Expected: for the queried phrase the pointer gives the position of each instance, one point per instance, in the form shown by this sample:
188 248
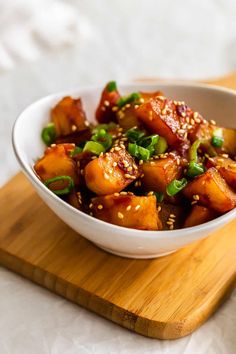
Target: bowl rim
136 233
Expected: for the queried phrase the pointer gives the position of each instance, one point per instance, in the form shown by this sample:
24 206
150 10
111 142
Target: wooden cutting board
163 298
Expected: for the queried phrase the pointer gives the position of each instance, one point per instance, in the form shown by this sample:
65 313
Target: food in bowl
151 162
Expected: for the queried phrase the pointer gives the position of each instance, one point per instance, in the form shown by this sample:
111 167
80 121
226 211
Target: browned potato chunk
128 211
111 172
127 117
157 174
171 216
104 112
198 215
226 167
57 162
229 144
68 116
212 191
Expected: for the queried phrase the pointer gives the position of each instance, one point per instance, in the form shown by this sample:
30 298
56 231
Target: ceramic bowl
212 102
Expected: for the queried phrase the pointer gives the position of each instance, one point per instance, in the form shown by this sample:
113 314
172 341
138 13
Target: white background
51 45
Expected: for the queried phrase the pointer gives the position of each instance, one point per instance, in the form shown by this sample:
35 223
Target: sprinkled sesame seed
169 222
198 120
53 145
219 160
183 114
150 193
172 220
82 172
194 202
91 214
172 216
192 121
171 227
117 148
114 164
138 207
181 131
187 119
123 193
196 197
116 194
141 100
128 207
100 206
106 103
225 155
140 162
159 208
120 215
114 109
106 176
195 115
232 165
213 122
90 205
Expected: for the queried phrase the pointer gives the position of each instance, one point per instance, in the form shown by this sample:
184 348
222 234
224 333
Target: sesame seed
159 208
198 120
106 103
172 220
114 164
181 131
136 106
73 128
129 169
82 172
91 214
106 176
178 161
195 115
187 119
90 205
219 160
140 162
116 194
171 227
183 114
123 193
141 100
225 155
126 164
152 163
100 206
169 222
150 193
172 216
114 109
117 148
213 122
138 207
120 215
196 197
128 207
192 121
194 202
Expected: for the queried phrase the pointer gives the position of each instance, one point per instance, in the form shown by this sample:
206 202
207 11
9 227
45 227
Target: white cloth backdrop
51 45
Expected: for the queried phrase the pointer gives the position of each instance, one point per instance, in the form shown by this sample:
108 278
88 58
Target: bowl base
135 256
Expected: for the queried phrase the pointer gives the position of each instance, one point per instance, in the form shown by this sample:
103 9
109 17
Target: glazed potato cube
226 167
127 117
203 130
159 116
198 215
229 144
75 138
57 162
212 191
111 172
68 116
170 214
128 211
109 98
157 174
147 95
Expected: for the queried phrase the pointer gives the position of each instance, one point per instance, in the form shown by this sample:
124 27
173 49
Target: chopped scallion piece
134 134
63 191
195 169
159 196
49 134
161 146
217 141
138 151
111 86
133 97
149 142
176 186
103 138
76 151
94 147
106 127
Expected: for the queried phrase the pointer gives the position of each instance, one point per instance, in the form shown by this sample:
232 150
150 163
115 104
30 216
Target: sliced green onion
76 151
149 142
138 151
159 196
94 147
106 127
63 191
133 97
217 141
111 86
195 169
195 146
161 146
103 138
134 134
49 134
176 186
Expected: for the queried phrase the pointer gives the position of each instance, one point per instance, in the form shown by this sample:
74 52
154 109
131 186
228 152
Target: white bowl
213 102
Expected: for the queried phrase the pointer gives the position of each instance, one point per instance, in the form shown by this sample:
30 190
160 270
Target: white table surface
97 41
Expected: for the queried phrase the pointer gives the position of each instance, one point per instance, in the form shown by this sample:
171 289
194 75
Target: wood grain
164 298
